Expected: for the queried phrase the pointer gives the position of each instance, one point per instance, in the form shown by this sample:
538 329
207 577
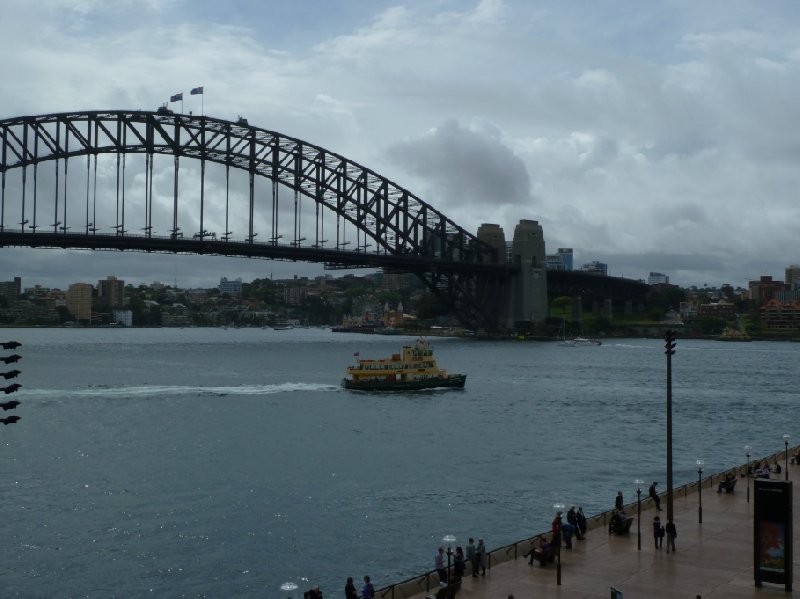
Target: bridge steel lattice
404 233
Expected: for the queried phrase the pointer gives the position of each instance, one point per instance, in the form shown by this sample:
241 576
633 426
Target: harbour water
222 463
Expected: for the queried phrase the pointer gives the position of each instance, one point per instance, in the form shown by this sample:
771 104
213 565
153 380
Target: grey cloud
465 167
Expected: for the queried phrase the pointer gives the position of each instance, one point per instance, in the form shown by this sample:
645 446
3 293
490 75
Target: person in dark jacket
672 532
652 493
658 532
619 502
350 591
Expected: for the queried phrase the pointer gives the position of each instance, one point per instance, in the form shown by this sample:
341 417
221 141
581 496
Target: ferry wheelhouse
413 369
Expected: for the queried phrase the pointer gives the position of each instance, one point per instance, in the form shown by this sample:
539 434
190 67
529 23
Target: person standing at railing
367 591
481 556
438 562
472 556
350 589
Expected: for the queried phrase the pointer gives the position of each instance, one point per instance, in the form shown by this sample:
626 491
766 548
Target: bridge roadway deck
713 559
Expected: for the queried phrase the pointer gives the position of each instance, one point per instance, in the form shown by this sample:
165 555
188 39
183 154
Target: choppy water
221 463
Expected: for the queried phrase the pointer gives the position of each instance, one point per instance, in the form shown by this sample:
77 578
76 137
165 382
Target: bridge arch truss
394 229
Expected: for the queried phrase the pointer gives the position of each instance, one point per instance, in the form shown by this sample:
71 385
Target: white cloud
669 132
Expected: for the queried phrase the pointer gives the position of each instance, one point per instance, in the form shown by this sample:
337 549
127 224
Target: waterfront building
596 268
230 287
110 292
775 315
123 317
655 278
79 301
765 289
721 309
11 289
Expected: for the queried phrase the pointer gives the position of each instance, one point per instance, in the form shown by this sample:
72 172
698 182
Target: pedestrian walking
472 556
658 532
672 532
652 493
619 502
481 555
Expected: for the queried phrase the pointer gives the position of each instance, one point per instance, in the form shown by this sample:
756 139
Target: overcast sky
653 136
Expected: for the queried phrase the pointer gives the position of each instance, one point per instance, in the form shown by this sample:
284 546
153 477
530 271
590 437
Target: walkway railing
423 583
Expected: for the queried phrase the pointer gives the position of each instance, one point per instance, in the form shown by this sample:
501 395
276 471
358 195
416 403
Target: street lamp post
639 484
449 539
700 491
669 338
786 455
289 587
558 507
747 450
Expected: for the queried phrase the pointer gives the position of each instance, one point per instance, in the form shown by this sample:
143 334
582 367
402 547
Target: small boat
581 341
411 370
575 341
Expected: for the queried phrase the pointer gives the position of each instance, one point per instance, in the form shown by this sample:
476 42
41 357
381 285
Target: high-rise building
792 278
111 292
11 289
566 257
79 301
657 278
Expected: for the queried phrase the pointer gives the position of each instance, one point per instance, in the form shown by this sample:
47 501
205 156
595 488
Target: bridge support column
608 309
528 292
577 308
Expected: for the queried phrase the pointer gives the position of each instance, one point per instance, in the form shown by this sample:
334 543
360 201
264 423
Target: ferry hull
453 382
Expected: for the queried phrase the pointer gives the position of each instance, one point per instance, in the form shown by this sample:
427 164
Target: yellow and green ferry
413 369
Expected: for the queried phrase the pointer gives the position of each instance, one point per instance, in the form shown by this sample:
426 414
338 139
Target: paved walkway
713 559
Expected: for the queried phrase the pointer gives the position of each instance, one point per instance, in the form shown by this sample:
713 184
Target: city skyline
648 137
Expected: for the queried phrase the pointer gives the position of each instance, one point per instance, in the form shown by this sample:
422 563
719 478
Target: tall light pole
786 455
559 508
747 450
700 491
669 338
449 539
639 482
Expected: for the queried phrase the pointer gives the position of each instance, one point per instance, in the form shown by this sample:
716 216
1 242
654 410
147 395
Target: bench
727 485
545 554
446 592
621 528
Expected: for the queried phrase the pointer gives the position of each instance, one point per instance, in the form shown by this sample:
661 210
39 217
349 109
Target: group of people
659 531
350 592
476 556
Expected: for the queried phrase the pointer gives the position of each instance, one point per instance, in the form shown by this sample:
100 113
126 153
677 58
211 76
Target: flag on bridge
196 90
176 98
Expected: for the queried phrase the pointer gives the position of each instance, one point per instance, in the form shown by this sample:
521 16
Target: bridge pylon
524 294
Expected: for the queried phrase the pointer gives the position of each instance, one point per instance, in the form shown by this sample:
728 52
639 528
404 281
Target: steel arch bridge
385 225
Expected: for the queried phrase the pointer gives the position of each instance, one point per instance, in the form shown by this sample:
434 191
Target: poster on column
772 532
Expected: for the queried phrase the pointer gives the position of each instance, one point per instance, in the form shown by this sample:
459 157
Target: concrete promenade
713 559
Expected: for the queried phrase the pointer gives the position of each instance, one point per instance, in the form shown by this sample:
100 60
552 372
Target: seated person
617 520
725 482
